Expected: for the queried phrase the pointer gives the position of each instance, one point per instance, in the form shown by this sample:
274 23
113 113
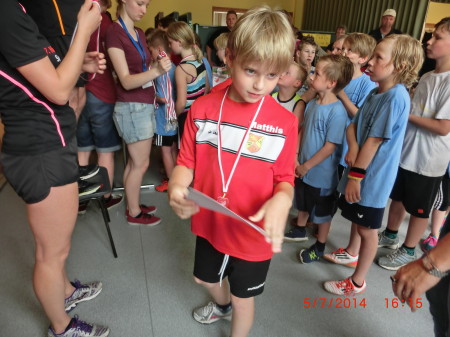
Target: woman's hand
94 62
89 17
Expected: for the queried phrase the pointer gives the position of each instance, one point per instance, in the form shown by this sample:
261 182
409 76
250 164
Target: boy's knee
240 303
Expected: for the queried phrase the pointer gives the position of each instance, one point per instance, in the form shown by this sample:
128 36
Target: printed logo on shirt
51 53
267 128
261 145
254 142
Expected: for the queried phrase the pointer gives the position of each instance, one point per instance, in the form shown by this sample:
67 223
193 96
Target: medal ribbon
226 184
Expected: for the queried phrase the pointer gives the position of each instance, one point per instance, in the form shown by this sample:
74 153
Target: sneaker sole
350 264
285 239
143 224
92 174
73 305
390 268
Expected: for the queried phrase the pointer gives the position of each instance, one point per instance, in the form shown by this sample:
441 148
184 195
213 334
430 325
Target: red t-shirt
267 159
116 37
102 86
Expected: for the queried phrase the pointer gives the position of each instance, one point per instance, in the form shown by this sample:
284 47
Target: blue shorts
135 121
96 128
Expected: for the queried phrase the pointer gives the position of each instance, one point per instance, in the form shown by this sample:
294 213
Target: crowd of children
270 123
345 115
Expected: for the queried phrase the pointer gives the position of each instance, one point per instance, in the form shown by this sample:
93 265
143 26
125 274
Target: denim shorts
96 130
134 121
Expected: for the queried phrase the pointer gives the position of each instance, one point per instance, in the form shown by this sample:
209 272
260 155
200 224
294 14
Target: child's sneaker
387 242
163 187
341 256
143 219
398 258
296 234
210 313
344 287
144 209
113 200
429 243
310 255
79 328
82 292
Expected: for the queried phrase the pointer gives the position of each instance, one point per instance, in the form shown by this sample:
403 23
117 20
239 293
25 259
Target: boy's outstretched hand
275 212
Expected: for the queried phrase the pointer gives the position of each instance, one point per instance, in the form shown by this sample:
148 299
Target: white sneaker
344 287
210 313
341 256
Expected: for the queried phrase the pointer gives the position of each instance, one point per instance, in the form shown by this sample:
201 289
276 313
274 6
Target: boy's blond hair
221 41
406 57
361 44
337 68
180 31
158 38
302 73
262 35
444 23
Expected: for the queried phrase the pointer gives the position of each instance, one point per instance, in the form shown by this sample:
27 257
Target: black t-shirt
54 17
33 124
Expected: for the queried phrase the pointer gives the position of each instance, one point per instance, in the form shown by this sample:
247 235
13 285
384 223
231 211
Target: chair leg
107 220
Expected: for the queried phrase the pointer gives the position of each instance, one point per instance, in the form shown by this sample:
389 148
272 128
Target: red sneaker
143 219
144 209
163 187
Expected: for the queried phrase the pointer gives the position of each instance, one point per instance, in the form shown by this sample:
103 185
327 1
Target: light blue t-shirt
357 91
382 115
160 112
323 123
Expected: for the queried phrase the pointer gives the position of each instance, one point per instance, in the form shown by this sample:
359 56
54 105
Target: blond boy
238 148
288 85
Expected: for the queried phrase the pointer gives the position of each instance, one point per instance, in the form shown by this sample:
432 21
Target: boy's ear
363 60
331 84
298 84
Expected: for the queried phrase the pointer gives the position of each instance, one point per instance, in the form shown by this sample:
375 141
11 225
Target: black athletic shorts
246 278
369 217
416 192
320 203
442 200
32 176
165 140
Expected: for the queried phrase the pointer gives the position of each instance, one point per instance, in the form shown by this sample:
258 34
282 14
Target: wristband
356 173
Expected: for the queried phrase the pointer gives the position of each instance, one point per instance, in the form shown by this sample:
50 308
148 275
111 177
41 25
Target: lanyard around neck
137 45
226 184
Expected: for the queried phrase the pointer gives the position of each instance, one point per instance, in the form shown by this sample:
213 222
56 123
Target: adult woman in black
39 150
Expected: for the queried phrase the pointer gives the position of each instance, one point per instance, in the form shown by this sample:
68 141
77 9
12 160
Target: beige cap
391 12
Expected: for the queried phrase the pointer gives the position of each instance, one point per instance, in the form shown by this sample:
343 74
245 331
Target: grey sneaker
79 328
210 313
82 292
387 242
398 258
